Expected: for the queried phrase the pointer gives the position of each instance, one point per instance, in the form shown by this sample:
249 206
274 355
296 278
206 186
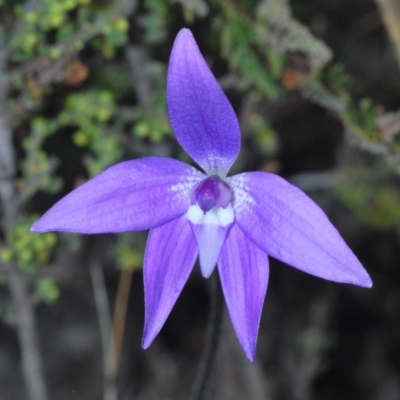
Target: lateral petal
171 252
285 223
129 196
201 116
244 271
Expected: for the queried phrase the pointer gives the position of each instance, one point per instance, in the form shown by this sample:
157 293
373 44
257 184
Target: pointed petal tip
35 227
357 275
184 33
365 282
250 353
150 332
206 272
43 225
185 38
146 340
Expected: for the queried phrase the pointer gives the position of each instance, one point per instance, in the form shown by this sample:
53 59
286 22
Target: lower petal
210 239
171 252
244 272
285 223
210 229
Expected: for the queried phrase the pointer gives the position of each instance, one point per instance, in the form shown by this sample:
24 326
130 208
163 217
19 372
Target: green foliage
375 202
151 119
193 9
266 137
115 35
36 167
127 252
28 251
336 77
238 39
57 27
91 113
362 118
277 29
319 94
155 21
260 48
47 32
46 291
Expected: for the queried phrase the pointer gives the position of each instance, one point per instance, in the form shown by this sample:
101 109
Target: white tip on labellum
216 216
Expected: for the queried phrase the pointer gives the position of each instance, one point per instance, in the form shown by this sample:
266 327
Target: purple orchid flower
232 222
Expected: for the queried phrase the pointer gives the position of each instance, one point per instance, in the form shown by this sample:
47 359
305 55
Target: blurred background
82 86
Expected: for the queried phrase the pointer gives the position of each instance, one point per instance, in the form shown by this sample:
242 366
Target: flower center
212 192
211 216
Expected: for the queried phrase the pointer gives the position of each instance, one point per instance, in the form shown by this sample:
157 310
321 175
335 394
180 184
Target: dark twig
210 352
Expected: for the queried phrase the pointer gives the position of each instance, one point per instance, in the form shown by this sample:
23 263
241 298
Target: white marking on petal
186 184
241 197
226 215
195 214
216 216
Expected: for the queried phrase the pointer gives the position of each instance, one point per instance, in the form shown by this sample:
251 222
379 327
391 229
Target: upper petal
171 252
201 116
129 196
289 226
244 271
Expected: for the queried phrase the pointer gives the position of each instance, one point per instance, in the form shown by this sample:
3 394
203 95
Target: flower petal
210 229
201 116
129 196
171 252
288 225
244 272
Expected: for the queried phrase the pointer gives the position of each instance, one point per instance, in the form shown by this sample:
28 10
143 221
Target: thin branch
137 62
120 308
104 317
25 317
26 326
390 13
7 165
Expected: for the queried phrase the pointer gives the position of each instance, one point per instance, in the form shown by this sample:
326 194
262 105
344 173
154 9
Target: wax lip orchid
233 223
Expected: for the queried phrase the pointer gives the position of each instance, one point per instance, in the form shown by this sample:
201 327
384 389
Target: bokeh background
315 85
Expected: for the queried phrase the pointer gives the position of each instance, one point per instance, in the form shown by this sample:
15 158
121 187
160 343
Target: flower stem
210 351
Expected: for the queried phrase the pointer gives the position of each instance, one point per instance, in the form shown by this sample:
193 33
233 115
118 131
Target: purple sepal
130 196
288 225
201 116
244 272
171 252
